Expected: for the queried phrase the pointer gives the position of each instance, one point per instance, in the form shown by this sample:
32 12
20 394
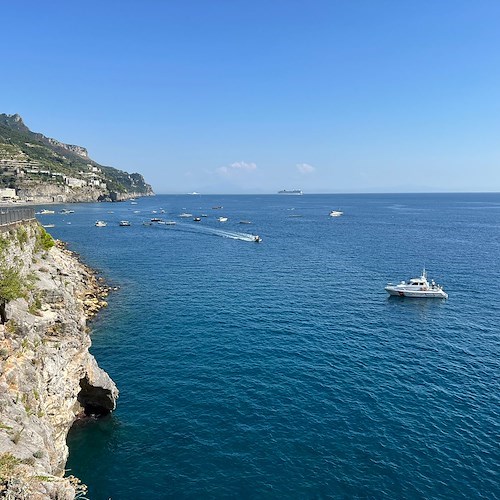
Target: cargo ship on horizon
292 191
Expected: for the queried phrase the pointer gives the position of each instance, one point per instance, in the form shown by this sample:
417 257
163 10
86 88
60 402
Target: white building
74 182
8 194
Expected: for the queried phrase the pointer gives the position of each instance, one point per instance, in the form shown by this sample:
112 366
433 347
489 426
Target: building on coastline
8 194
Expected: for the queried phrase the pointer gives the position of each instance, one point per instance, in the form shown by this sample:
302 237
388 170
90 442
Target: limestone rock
48 378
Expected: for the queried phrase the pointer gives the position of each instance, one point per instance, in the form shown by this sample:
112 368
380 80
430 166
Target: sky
233 96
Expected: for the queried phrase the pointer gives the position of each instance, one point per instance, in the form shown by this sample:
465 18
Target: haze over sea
283 369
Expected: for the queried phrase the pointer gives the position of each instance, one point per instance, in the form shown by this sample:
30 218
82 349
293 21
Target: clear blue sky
259 95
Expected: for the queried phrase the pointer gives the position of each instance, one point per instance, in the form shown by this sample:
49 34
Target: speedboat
245 222
100 223
417 288
257 238
155 219
185 215
45 211
336 213
65 211
197 219
222 219
124 223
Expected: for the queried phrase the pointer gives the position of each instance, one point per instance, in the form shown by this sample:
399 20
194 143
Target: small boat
147 223
218 207
155 219
245 222
46 212
257 238
49 225
336 213
204 215
169 223
197 219
64 211
124 223
185 215
100 223
222 219
417 288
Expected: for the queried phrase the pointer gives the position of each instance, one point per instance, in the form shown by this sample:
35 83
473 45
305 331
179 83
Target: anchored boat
417 288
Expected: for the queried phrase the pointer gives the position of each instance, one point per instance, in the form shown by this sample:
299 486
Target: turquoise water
282 369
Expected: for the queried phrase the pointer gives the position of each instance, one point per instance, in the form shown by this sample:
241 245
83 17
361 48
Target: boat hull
416 294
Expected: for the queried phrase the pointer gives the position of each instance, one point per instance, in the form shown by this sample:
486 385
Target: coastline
48 378
45 201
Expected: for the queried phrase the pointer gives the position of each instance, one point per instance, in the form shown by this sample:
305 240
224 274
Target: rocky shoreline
51 197
48 378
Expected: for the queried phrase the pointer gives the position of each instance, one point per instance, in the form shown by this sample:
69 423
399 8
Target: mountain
42 169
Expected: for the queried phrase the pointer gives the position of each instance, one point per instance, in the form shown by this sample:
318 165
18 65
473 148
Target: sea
283 369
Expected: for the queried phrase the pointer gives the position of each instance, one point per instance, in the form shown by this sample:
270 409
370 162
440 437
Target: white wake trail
192 228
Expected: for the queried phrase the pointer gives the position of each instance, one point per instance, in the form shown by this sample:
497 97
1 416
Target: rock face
48 378
42 169
69 147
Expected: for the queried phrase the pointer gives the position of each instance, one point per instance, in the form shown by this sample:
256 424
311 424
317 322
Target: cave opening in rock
96 401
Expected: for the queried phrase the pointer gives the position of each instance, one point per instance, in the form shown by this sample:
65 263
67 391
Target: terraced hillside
34 168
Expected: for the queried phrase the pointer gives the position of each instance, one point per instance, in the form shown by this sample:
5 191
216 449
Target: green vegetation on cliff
27 157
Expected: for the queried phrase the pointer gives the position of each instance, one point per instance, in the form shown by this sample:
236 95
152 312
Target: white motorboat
100 223
222 219
168 222
124 223
257 238
336 213
46 212
417 288
185 215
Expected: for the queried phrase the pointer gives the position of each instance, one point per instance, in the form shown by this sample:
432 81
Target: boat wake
234 235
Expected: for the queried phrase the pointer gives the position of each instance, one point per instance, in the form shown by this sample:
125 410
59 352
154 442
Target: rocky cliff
41 169
48 378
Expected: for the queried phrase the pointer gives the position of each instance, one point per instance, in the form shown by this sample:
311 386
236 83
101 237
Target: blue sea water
283 369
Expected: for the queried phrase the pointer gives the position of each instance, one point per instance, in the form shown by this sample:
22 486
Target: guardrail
13 215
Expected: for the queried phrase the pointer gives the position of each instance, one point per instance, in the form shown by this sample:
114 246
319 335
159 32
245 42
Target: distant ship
293 191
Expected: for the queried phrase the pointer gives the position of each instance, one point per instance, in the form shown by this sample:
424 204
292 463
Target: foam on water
198 228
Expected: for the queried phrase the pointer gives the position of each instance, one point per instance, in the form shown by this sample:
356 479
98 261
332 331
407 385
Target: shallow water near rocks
283 369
